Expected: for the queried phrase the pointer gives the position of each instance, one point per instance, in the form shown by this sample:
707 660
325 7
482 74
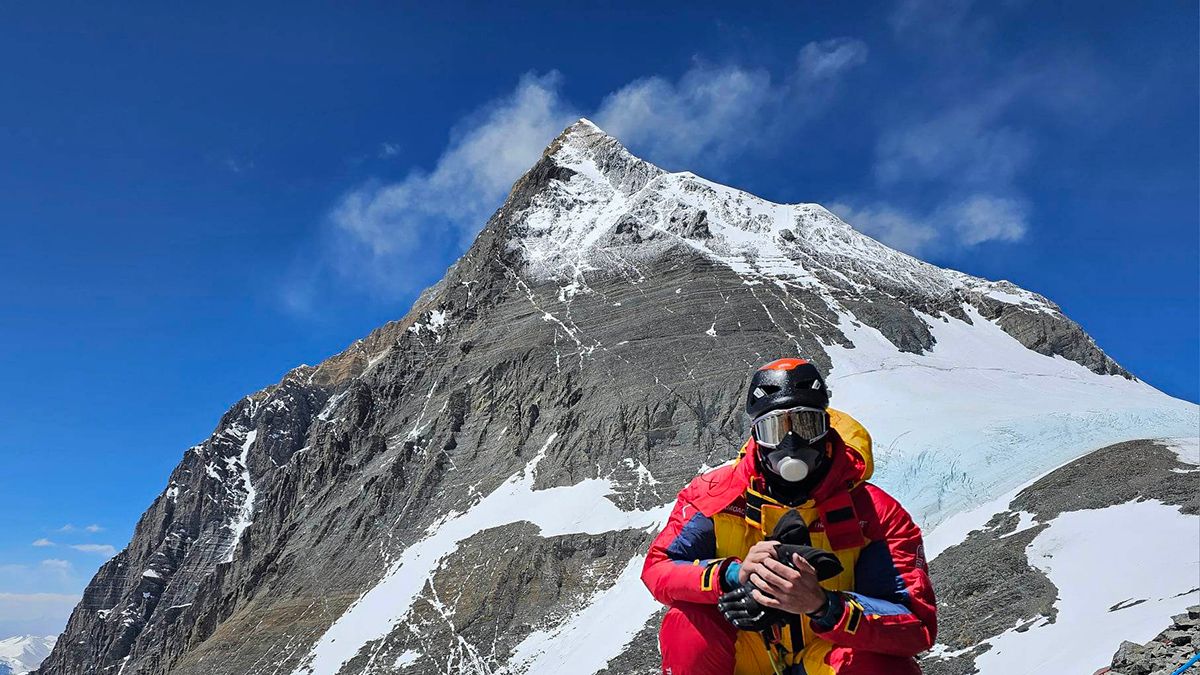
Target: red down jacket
888 613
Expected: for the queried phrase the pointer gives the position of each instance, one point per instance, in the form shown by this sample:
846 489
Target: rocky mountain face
469 488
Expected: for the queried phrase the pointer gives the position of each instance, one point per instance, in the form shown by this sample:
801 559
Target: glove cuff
828 614
730 570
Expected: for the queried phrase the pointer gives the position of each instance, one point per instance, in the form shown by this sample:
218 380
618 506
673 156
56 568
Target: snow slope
1157 563
23 653
981 414
1120 572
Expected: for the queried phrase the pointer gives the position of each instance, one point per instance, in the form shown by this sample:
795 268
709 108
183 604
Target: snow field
1099 559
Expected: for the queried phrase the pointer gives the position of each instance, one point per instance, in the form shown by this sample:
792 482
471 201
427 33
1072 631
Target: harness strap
754 503
773 640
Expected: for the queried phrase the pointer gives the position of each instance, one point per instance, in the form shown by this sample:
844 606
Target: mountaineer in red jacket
788 561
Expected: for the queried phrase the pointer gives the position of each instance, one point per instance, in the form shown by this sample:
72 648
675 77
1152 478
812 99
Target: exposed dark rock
1165 653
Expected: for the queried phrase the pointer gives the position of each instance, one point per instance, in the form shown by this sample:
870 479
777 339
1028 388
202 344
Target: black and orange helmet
786 383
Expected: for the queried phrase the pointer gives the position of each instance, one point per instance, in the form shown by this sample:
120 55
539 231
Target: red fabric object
696 640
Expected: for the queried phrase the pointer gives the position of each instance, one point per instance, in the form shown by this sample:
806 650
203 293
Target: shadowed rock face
608 303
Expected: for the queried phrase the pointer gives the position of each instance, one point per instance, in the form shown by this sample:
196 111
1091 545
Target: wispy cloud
889 225
962 223
237 165
982 218
71 527
829 59
951 167
102 549
388 150
968 144
382 229
382 233
39 597
924 20
712 113
43 542
52 573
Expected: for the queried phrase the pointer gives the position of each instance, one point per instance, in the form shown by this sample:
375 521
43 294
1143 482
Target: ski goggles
809 424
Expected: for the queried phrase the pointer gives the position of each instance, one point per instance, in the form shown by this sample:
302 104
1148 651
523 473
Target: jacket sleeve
892 609
682 565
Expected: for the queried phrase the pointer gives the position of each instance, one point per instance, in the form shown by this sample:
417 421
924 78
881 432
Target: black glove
741 609
825 563
792 534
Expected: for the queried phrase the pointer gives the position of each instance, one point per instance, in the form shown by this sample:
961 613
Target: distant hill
24 653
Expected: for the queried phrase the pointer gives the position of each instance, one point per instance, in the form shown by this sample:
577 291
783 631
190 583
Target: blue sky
195 199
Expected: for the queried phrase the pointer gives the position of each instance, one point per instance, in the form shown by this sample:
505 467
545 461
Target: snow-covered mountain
470 488
23 653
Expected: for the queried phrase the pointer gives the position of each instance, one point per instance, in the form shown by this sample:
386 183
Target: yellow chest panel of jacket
735 535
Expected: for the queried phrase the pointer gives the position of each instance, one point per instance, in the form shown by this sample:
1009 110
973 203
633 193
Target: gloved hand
741 609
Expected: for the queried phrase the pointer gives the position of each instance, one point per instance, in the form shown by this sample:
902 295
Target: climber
788 561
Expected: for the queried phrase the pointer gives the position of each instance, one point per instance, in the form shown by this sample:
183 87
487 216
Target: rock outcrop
1166 653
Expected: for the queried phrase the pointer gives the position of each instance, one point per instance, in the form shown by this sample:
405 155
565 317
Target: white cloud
39 597
983 218
957 224
43 542
102 549
67 528
831 58
94 528
382 233
711 112
50 574
958 30
965 144
387 150
673 122
383 229
889 225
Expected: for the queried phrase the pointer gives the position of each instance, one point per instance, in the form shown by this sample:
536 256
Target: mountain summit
470 488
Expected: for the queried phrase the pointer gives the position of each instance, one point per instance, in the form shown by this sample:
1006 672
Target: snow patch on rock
579 508
617 613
